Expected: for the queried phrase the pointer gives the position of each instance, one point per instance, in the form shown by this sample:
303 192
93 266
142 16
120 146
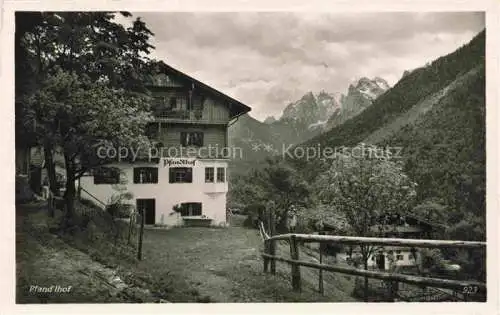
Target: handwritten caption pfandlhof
52 289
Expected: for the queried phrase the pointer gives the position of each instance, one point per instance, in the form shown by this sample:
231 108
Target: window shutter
155 175
202 103
136 175
171 175
200 135
116 176
183 139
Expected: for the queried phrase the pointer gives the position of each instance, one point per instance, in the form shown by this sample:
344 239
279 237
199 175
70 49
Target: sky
267 60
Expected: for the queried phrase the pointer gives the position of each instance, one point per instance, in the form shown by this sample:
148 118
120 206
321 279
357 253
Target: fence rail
354 240
270 258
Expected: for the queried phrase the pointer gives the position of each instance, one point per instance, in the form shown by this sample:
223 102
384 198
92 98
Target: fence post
79 190
266 251
321 250
131 225
393 290
272 251
139 250
269 223
272 243
294 253
50 204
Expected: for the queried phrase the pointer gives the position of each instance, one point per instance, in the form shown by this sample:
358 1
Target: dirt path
66 275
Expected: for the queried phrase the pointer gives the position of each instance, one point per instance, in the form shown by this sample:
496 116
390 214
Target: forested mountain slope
436 115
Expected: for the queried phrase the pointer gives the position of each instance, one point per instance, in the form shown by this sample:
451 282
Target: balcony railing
179 114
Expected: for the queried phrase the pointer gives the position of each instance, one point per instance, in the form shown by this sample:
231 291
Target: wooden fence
293 239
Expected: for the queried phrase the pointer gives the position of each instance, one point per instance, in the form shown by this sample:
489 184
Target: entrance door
381 261
147 206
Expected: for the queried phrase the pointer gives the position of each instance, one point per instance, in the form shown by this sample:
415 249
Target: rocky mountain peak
382 83
369 88
313 110
364 81
360 95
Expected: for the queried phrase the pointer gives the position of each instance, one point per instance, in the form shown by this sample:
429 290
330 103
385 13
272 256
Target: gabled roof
236 108
432 224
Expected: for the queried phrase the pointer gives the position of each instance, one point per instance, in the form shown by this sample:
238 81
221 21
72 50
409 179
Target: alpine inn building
188 180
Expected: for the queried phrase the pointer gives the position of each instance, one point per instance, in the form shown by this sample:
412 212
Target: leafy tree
365 186
320 215
243 191
432 210
473 261
84 117
279 185
87 88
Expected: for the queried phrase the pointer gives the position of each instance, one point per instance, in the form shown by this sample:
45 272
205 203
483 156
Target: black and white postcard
325 156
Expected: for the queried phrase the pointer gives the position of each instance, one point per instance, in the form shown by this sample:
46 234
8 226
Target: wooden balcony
186 116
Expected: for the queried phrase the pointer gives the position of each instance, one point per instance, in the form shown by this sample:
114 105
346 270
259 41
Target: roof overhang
236 108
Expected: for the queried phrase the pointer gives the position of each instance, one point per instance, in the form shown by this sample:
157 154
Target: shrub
254 214
118 210
89 203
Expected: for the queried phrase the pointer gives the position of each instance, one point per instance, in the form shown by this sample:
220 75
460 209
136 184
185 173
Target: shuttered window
145 175
106 175
180 175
